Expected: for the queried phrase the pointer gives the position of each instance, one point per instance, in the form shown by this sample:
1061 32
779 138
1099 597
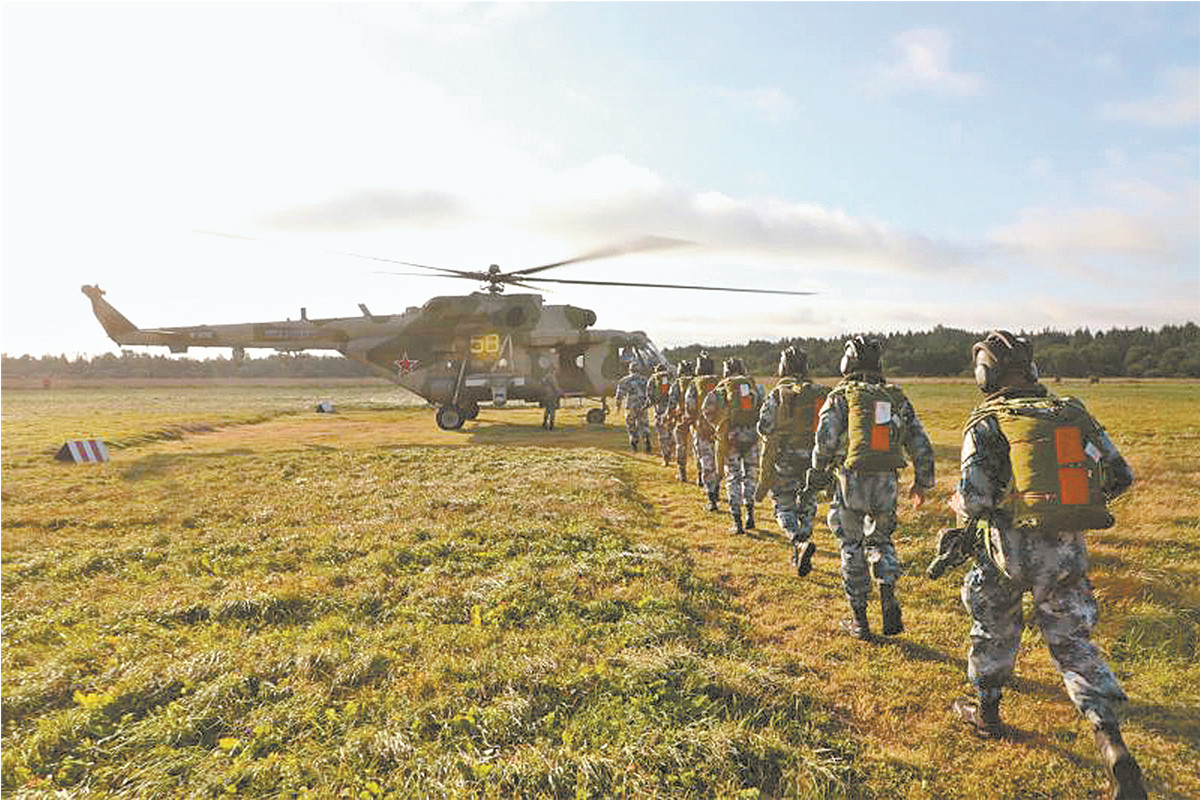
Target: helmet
793 361
704 364
861 355
1003 359
686 368
733 366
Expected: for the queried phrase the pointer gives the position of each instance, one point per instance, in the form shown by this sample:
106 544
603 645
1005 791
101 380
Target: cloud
924 65
369 209
770 103
1178 105
614 197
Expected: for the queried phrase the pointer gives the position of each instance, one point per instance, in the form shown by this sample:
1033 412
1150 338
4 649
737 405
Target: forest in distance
1173 351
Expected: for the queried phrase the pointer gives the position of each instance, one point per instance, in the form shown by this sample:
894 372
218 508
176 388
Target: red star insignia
406 365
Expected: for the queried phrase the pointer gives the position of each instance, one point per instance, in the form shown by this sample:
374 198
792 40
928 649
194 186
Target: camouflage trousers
706 460
795 519
683 443
666 436
637 423
1052 568
863 516
741 466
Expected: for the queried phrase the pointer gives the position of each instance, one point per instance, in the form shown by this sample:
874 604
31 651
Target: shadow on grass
158 463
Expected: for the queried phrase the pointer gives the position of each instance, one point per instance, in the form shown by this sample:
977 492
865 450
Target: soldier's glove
815 480
951 551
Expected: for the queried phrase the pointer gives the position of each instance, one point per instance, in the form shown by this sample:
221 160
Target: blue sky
1019 165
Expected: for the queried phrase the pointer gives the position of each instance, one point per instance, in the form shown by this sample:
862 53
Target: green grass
255 599
405 621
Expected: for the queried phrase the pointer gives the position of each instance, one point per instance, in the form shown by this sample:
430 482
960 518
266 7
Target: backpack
872 433
740 394
659 388
704 384
1057 469
799 410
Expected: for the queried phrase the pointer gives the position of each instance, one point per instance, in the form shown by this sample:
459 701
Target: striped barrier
83 451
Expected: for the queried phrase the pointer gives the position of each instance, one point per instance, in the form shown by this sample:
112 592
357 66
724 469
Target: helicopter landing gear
471 411
450 418
595 416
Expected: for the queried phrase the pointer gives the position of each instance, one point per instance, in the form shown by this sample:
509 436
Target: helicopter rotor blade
670 286
641 245
460 273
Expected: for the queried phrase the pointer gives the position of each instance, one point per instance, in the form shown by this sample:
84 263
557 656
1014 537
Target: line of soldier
1036 473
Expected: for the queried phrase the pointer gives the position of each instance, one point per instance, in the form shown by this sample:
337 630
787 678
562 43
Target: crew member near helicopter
659 388
681 428
868 425
632 391
550 398
732 409
703 433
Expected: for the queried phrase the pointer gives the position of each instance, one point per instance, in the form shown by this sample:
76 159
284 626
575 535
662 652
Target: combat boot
982 716
646 443
633 444
682 473
750 518
890 609
802 553
666 459
712 498
737 529
857 625
1123 771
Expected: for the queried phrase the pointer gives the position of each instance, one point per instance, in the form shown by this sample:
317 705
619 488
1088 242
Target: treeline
1171 352
145 365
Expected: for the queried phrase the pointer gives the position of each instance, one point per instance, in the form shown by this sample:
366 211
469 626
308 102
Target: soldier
659 389
703 433
786 423
550 399
868 424
1037 471
682 429
732 409
632 391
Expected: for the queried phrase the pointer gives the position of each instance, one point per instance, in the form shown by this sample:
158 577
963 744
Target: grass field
256 599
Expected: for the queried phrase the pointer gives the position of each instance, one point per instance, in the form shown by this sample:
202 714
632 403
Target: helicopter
459 351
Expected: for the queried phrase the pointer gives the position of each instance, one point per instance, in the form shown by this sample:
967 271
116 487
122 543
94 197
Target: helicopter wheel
449 418
595 416
471 411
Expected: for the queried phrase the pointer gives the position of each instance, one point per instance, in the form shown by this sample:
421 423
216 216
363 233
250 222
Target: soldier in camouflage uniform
732 409
681 423
786 425
659 389
868 425
631 390
703 433
1025 550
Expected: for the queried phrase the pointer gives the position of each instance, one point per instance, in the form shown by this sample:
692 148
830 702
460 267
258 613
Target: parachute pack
1057 469
873 441
799 409
658 387
741 400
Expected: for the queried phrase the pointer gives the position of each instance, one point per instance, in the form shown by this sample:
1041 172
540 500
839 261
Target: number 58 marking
487 345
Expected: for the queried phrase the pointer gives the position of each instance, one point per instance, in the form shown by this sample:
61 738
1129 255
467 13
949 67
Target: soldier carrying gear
1039 469
868 425
682 429
632 390
659 388
732 408
786 427
703 433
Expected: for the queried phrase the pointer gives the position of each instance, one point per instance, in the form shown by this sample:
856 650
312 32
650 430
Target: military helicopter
455 352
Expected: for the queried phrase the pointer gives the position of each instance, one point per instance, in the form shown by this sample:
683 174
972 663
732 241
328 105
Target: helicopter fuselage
452 351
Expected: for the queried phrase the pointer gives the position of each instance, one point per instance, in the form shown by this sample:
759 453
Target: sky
972 165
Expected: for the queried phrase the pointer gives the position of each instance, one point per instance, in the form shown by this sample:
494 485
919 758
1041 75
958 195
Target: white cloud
1178 104
924 65
1095 231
